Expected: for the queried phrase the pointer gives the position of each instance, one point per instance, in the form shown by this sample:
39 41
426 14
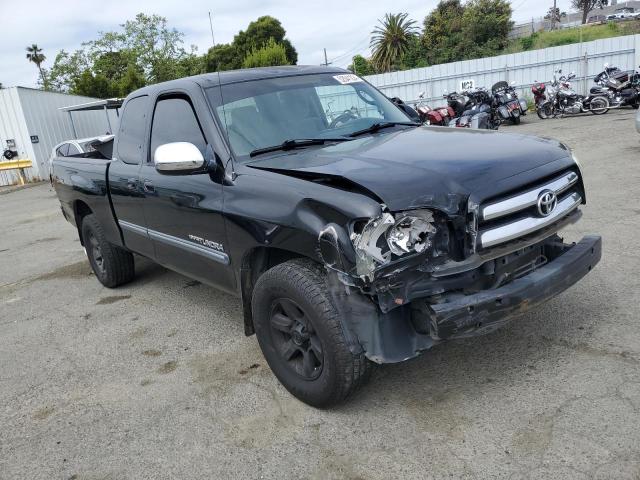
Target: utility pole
213 41
553 16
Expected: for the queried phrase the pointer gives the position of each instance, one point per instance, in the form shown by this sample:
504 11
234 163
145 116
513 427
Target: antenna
213 41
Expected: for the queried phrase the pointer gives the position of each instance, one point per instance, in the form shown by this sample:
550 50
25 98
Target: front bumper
404 332
462 315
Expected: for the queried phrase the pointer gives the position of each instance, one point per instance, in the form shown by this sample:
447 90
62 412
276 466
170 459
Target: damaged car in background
352 240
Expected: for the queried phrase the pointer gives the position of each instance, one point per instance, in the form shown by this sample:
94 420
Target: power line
358 46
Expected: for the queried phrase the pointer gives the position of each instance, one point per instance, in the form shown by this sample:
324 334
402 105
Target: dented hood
428 166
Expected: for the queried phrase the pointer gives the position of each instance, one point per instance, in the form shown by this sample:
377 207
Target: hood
429 166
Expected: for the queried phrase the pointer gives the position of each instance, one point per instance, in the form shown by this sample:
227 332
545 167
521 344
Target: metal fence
585 59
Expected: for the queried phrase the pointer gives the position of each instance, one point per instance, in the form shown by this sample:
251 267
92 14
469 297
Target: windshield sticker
347 78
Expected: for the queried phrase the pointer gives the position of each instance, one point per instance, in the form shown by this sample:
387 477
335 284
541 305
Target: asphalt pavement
156 379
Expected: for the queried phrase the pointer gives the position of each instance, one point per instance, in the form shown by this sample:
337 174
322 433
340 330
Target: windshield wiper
380 125
296 143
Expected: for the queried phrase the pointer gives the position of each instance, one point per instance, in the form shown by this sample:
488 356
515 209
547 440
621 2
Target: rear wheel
112 265
301 336
599 105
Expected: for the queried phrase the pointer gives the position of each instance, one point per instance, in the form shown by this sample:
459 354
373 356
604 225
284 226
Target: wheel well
80 210
254 264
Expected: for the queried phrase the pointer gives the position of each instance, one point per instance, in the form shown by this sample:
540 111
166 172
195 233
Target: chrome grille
518 215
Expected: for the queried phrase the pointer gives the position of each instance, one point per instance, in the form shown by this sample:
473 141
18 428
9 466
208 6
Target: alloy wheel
295 339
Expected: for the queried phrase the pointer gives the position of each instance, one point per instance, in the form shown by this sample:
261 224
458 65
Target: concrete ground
156 379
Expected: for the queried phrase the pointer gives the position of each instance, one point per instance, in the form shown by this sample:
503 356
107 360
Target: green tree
486 27
442 37
361 66
67 67
260 32
416 55
35 56
145 50
222 57
272 54
91 85
390 40
585 6
256 36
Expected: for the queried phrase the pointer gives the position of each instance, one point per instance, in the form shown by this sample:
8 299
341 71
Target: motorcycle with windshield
509 106
563 100
478 111
621 88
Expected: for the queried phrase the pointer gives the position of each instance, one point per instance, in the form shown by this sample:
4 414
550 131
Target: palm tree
35 55
391 39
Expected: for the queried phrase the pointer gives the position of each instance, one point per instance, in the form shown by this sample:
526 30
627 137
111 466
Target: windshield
267 112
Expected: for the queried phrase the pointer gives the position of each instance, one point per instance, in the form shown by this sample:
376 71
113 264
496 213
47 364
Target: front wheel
546 110
515 119
599 105
301 336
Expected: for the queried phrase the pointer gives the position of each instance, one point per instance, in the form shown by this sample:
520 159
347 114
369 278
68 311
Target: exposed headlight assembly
383 237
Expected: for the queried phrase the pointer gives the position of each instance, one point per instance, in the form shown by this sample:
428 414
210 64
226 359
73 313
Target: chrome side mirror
178 157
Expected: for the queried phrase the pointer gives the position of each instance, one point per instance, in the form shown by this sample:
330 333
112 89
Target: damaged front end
405 281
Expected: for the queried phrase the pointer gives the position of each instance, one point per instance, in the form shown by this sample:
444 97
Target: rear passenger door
124 175
184 211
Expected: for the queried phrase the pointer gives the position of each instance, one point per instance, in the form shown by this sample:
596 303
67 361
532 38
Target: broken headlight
386 236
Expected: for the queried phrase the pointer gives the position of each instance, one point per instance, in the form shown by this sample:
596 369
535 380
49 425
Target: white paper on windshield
347 78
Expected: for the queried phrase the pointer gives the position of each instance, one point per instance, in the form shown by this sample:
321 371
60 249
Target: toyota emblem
547 201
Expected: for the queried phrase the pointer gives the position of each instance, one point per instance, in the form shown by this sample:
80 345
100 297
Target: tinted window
62 150
132 130
266 112
175 121
73 150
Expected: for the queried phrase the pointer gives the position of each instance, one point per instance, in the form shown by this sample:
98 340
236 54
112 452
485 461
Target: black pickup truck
353 235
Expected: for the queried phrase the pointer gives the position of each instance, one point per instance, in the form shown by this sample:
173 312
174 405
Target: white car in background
70 148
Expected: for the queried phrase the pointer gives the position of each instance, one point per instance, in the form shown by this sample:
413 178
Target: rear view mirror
178 157
606 65
512 83
421 95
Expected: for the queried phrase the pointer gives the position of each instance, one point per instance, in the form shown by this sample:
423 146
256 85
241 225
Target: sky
342 27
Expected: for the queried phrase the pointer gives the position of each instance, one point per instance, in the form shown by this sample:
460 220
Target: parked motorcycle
506 98
412 113
621 88
478 111
435 116
539 97
564 100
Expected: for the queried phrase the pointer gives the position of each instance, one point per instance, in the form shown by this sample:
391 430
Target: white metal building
32 123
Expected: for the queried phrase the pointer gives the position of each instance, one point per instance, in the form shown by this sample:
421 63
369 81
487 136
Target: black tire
515 120
546 110
293 314
635 106
599 101
112 265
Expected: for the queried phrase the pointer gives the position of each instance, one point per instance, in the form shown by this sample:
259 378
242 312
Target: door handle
148 187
